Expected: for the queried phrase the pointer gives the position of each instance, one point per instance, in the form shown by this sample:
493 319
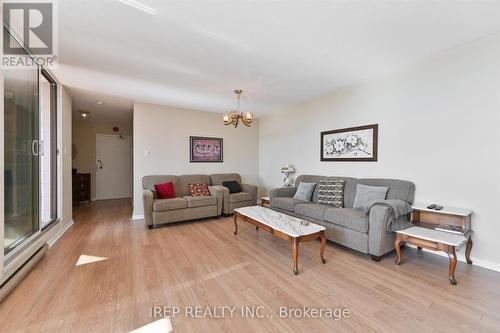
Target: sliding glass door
21 160
30 154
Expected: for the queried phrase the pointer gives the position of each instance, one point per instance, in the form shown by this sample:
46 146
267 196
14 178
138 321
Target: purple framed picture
203 149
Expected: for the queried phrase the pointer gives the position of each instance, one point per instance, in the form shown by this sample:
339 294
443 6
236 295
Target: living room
270 166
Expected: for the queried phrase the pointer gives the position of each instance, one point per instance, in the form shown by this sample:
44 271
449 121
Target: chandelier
234 117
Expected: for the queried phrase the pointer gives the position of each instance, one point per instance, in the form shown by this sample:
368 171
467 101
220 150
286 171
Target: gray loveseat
184 206
347 226
247 196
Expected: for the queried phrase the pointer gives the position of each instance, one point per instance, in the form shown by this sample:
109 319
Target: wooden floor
203 264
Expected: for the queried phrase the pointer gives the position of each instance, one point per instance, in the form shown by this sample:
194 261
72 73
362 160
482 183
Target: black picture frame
374 152
192 143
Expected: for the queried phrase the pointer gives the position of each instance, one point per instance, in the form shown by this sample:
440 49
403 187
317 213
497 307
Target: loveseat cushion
200 201
162 205
239 197
198 190
233 186
165 190
286 203
350 218
316 211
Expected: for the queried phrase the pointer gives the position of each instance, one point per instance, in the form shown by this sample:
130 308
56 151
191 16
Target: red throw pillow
165 190
199 190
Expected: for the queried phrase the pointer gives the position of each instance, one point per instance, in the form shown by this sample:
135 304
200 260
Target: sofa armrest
282 192
218 193
380 241
252 189
148 198
224 192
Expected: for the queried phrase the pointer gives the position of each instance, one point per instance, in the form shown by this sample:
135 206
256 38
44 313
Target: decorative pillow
367 195
233 186
165 190
331 192
305 191
199 190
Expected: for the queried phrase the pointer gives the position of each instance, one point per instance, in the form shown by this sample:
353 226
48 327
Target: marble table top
444 237
446 210
289 225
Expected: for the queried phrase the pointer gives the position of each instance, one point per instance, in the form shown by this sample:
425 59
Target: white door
114 167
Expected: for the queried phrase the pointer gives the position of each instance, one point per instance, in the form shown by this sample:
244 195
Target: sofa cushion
161 205
199 190
367 195
349 218
305 191
200 201
182 189
239 197
331 192
398 189
316 211
165 190
286 203
233 186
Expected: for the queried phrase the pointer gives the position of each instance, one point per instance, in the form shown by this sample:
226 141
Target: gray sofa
184 206
247 196
347 226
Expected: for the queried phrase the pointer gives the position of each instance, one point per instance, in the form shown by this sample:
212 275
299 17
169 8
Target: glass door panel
21 145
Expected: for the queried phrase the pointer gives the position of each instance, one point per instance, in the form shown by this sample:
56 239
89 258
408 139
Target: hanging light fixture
234 117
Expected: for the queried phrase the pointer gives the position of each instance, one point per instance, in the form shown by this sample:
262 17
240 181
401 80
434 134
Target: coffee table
283 226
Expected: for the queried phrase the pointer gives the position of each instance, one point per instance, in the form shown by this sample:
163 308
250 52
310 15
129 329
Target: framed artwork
203 149
350 144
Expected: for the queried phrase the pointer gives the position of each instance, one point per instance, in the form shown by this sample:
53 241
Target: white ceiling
193 54
115 109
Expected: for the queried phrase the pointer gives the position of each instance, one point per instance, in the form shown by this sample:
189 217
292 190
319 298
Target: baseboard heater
21 272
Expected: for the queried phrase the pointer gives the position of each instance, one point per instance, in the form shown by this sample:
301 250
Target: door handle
100 164
35 147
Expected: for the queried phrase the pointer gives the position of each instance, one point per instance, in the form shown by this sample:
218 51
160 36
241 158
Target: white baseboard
60 233
137 217
461 257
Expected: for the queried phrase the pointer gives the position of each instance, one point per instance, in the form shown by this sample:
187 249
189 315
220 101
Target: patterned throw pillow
199 190
331 192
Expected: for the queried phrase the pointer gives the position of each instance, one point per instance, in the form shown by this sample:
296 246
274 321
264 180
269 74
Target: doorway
114 166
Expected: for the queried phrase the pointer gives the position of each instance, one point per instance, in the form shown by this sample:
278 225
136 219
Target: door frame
97 175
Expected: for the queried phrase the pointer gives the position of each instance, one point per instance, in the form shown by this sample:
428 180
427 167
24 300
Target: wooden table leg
295 255
468 249
398 250
322 249
453 264
235 216
257 228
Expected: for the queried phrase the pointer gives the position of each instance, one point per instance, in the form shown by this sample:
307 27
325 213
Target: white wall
165 131
439 125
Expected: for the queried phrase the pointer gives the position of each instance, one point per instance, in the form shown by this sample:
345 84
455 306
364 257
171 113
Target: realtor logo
31 26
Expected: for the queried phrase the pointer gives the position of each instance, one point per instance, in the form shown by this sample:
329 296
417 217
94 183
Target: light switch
147 153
